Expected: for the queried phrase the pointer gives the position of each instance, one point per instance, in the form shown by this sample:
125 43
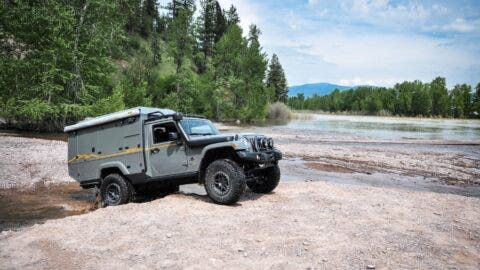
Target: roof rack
176 116
194 115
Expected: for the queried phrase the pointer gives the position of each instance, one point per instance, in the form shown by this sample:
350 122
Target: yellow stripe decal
124 152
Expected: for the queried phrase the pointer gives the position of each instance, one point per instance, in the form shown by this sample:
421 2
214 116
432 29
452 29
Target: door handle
155 150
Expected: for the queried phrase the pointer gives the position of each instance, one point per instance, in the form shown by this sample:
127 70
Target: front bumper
260 157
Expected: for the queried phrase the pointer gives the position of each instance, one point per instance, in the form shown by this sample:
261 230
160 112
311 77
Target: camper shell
151 147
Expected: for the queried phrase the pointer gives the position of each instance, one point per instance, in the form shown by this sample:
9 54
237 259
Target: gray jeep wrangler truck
148 149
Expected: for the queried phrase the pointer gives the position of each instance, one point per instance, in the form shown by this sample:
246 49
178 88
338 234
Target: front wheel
267 182
224 181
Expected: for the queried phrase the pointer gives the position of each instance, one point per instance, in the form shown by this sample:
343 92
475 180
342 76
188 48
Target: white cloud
248 12
382 12
461 25
440 9
373 59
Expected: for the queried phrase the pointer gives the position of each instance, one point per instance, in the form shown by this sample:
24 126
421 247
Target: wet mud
19 208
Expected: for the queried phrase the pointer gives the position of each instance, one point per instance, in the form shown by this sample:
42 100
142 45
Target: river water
391 128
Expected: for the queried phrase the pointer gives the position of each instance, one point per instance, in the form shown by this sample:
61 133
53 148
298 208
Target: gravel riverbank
26 162
302 225
342 203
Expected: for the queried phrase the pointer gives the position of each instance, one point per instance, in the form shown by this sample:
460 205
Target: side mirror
177 117
172 136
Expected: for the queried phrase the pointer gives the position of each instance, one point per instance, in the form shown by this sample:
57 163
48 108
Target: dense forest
61 61
404 99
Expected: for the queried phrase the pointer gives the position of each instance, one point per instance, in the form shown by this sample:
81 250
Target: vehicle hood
211 139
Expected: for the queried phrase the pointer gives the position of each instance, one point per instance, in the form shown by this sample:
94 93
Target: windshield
198 127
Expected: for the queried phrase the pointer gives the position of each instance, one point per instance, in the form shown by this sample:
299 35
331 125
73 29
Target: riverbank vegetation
62 61
405 99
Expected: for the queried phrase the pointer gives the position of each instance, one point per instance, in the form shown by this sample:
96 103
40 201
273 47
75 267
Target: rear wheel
115 190
268 182
224 181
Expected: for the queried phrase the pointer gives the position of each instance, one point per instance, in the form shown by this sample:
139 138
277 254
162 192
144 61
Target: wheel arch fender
211 153
114 166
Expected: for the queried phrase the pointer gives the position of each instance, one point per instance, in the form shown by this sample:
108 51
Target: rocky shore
343 203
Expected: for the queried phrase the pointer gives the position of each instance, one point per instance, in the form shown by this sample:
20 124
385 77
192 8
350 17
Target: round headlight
264 142
270 143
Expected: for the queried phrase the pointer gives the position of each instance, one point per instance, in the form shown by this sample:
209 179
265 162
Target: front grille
260 143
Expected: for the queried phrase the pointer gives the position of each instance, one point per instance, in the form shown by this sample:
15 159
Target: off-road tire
233 178
116 183
268 182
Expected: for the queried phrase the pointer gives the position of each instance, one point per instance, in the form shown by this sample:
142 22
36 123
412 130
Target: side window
160 132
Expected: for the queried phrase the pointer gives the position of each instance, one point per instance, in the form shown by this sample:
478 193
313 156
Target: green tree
56 59
461 99
254 63
232 16
276 80
175 6
220 22
180 36
148 17
228 65
440 98
421 101
404 98
475 111
206 28
374 103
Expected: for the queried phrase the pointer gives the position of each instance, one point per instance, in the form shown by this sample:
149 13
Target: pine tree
132 10
232 16
148 17
206 27
220 22
254 94
176 5
276 80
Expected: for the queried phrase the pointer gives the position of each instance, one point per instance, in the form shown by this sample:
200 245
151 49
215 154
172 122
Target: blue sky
375 42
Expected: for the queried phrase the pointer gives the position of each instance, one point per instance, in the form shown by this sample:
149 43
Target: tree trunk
78 84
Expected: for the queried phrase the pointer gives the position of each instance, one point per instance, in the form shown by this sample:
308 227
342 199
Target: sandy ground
341 204
318 225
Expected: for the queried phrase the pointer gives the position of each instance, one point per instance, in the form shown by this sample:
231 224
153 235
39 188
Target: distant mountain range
316 88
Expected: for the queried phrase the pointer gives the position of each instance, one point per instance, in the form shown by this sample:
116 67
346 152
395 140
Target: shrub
279 111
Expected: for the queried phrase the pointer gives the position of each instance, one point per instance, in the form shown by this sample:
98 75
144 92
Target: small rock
370 266
240 249
169 236
305 243
436 213
259 240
